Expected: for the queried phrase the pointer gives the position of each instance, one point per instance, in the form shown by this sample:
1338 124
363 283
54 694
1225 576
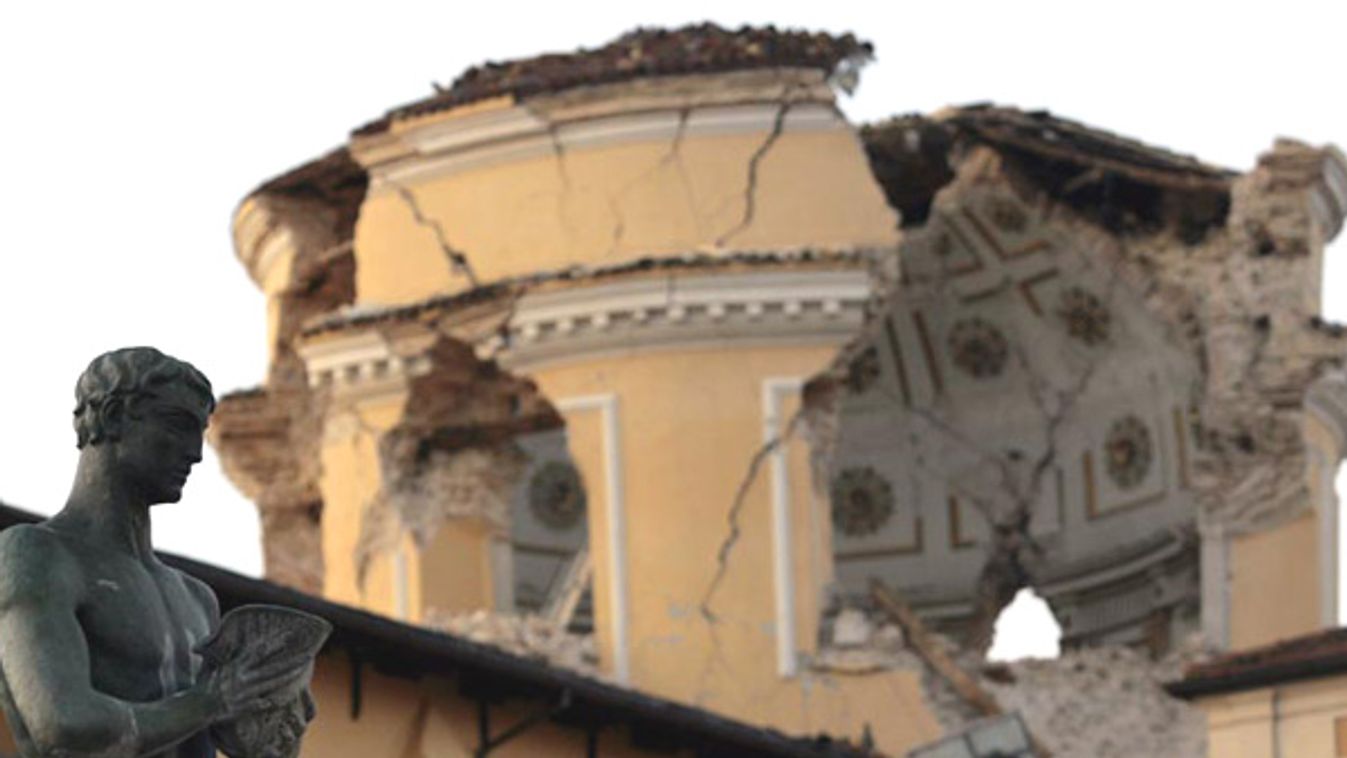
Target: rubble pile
1105 702
860 646
529 636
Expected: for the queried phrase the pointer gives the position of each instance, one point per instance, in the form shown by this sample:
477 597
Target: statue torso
142 621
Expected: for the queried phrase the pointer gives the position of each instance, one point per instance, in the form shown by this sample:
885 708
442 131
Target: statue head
147 412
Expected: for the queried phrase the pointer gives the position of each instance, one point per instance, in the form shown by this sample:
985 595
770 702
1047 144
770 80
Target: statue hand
254 681
274 732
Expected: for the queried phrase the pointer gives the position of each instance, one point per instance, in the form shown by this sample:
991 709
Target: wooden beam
926 646
561 605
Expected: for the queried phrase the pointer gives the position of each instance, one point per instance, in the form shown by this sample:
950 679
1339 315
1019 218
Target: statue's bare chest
141 624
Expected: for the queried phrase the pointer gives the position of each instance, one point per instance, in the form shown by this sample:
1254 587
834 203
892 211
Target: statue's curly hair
114 379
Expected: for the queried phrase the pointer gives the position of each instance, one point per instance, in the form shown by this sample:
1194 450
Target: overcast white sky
131 130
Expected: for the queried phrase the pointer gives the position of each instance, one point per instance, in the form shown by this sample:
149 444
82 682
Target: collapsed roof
695 49
1121 183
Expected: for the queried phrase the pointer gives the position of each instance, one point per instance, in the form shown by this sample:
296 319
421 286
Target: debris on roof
1056 138
644 52
910 158
1123 184
1312 655
334 180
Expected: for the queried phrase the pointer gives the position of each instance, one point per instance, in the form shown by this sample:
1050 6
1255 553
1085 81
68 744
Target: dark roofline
412 652
641 53
1121 184
1052 135
1283 662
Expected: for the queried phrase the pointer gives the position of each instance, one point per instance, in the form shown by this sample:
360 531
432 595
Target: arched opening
1026 629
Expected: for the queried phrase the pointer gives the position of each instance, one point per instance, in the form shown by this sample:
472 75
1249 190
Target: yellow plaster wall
429 719
389 713
1286 722
1274 583
690 424
606 204
453 572
350 480
400 718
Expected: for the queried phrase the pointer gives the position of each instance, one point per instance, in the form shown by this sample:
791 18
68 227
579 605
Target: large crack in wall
458 260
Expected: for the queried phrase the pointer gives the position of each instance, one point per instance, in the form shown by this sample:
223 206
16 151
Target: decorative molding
518 134
977 347
1326 400
862 522
259 239
667 312
774 393
1128 452
361 362
616 535
556 497
1090 576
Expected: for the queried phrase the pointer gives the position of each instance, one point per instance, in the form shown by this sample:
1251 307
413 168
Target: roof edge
373 636
1190 688
644 52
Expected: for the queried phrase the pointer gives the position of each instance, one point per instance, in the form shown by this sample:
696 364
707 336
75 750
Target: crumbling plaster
599 175
1226 290
298 250
1229 296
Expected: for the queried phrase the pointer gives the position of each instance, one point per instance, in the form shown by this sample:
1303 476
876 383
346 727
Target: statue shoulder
204 595
26 543
34 561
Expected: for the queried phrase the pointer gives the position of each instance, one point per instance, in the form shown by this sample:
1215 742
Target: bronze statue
105 650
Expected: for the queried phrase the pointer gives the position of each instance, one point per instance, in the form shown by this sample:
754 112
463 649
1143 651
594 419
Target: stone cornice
800 306
364 362
520 134
780 306
254 229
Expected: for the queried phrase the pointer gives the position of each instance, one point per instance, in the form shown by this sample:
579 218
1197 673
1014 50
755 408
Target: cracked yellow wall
690 423
609 204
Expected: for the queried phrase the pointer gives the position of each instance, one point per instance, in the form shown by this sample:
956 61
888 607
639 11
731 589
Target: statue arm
45 660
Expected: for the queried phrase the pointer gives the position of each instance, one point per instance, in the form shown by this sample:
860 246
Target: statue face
161 441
